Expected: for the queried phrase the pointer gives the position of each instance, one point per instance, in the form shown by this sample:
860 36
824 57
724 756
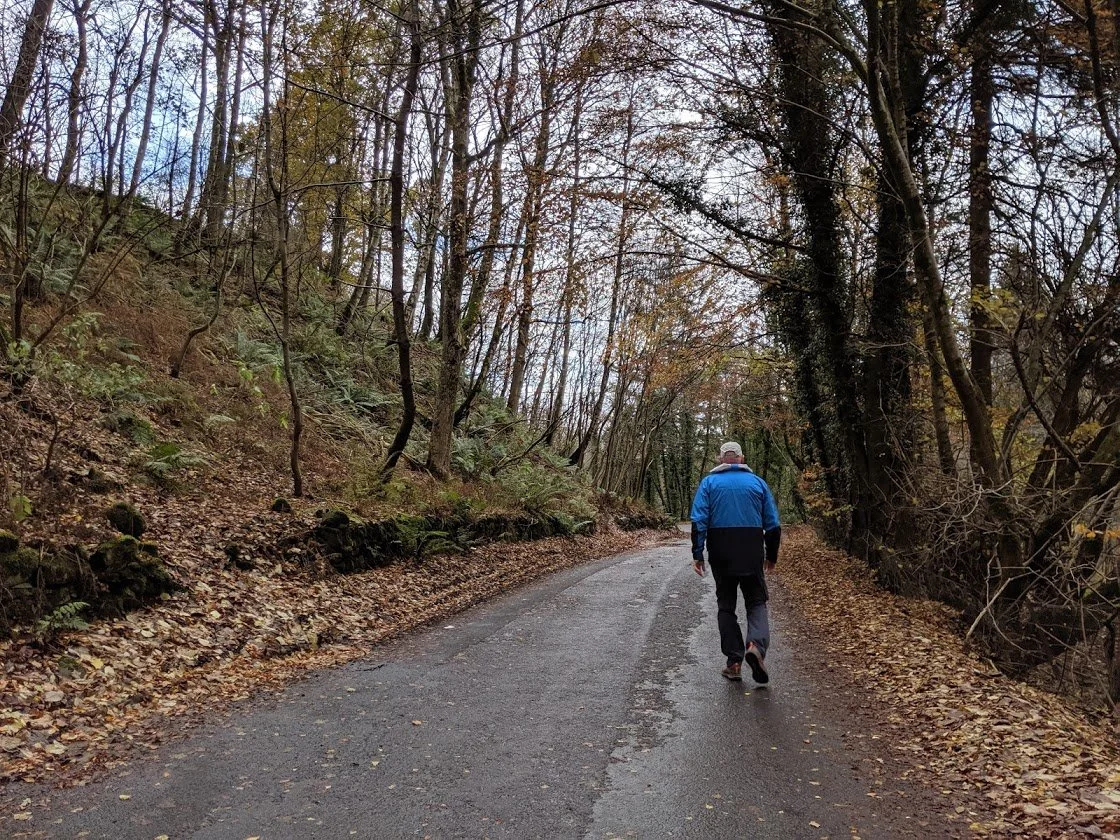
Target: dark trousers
755 596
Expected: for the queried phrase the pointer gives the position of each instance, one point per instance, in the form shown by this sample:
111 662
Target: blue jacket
734 515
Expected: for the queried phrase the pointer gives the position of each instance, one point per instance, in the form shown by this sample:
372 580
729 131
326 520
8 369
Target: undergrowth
111 352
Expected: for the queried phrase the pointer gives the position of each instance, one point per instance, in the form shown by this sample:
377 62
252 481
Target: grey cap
731 446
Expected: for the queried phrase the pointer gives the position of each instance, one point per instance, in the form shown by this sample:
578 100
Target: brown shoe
753 658
734 671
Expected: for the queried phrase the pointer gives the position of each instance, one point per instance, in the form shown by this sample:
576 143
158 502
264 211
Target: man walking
734 514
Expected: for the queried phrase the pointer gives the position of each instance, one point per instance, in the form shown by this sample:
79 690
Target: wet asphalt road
586 705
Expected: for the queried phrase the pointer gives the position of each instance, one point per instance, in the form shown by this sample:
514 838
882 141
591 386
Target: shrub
541 490
76 366
19 506
114 383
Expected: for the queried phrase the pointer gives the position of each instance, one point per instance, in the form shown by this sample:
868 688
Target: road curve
586 705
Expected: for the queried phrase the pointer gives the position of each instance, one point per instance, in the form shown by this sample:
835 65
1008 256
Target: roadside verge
94 698
1047 768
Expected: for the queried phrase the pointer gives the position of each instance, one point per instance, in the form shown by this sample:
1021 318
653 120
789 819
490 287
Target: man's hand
771 565
698 567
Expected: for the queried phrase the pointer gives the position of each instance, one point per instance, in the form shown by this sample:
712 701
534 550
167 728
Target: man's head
731 453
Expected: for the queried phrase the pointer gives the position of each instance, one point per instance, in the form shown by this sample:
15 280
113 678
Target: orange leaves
1042 766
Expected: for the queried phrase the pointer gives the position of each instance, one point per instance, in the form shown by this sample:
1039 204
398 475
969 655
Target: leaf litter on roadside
1047 769
100 693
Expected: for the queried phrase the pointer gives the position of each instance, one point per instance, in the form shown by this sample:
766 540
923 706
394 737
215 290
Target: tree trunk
927 270
401 327
981 96
371 257
890 331
67 170
187 213
810 157
945 459
338 237
149 106
111 134
534 199
886 380
219 293
278 180
117 144
560 393
428 320
580 452
481 281
430 218
19 87
465 34
496 334
212 199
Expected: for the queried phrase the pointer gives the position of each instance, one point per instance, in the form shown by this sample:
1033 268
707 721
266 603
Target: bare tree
68 167
462 31
275 156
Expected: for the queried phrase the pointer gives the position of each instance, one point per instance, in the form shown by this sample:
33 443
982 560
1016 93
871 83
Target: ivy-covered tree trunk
890 330
809 154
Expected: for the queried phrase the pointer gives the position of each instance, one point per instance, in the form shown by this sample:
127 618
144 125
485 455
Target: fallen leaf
10 744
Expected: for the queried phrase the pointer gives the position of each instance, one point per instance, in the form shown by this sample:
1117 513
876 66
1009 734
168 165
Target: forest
875 242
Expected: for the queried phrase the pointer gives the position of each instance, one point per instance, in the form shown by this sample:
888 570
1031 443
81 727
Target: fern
254 354
165 458
66 617
417 541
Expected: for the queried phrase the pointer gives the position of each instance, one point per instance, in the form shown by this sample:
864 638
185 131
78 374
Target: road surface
586 705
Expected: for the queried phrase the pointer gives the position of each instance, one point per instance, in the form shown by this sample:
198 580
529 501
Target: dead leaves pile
102 692
1047 770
